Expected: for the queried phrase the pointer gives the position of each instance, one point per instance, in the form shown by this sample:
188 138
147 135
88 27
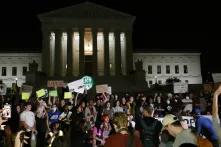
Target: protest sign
55 84
53 93
102 88
68 95
180 87
25 96
76 86
41 93
88 82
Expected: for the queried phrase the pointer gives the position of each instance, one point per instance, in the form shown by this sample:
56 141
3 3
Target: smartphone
6 111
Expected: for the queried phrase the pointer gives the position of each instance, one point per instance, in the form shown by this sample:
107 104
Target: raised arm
215 103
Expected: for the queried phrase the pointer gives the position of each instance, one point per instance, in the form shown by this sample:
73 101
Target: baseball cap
169 119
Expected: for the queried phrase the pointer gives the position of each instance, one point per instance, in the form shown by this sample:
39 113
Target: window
159 82
185 69
4 71
14 71
150 82
176 69
168 69
158 69
186 81
149 69
24 70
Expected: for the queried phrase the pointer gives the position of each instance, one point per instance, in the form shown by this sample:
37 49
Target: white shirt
28 117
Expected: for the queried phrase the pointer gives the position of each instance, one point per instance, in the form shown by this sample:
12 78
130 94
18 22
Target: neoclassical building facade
86 39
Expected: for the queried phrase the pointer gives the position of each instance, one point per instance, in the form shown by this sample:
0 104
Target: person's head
105 118
172 124
123 100
117 103
53 108
91 103
143 98
148 111
108 104
120 121
28 106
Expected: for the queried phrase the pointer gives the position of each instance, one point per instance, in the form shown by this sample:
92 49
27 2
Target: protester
122 138
172 124
150 128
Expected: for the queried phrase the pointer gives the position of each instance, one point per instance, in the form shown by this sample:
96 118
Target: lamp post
155 79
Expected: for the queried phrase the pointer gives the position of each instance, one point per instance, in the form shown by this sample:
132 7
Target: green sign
40 93
25 96
88 82
53 93
68 95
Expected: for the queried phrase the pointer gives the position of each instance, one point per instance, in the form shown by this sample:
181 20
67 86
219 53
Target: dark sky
158 25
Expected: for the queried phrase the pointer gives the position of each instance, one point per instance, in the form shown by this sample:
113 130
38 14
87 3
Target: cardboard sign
102 88
55 84
25 96
26 88
76 86
40 93
53 93
180 87
68 95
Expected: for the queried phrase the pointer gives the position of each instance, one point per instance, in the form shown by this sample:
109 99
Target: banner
55 84
53 93
180 87
25 96
68 95
102 88
77 86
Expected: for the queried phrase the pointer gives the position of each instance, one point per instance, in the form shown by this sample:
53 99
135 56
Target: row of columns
59 68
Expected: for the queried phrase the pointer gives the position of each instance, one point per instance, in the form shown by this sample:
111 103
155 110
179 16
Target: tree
172 80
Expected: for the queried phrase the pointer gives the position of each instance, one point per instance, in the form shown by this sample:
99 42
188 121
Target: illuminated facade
87 39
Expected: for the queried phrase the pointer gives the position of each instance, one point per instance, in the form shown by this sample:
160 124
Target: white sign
180 87
189 119
102 88
76 86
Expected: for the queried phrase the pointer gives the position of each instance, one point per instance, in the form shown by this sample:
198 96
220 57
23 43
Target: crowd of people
111 121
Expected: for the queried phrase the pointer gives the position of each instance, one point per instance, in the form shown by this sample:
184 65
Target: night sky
193 26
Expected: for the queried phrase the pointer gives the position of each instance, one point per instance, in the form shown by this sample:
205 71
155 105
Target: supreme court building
87 39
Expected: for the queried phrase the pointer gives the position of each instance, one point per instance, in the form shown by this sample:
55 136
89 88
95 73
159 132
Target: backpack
203 142
148 132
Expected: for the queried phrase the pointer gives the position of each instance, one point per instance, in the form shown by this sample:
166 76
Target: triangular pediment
86 10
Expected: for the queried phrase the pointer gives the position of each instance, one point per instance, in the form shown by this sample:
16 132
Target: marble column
46 64
117 53
70 58
106 53
94 34
58 54
81 52
129 51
